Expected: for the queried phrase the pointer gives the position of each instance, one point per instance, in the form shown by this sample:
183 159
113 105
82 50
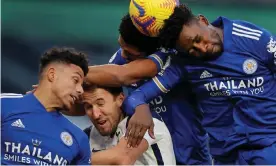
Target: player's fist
139 123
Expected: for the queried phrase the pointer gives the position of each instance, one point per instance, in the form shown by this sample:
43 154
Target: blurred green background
97 21
29 27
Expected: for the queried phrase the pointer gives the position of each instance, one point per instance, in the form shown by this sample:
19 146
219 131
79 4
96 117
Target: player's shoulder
10 96
123 124
88 130
10 100
160 128
117 58
247 33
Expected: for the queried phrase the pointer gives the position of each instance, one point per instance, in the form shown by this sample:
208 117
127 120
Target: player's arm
119 73
119 154
158 85
136 103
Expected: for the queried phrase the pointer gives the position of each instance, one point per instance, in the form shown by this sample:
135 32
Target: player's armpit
118 75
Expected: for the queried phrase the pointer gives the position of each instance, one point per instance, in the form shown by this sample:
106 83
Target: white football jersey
159 152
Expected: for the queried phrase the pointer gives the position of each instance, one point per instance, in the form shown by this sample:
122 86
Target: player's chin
104 132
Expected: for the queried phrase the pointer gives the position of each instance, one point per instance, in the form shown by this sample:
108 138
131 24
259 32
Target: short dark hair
115 91
64 55
169 34
132 36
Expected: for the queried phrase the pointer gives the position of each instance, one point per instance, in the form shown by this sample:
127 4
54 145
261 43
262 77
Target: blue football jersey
236 91
177 109
33 136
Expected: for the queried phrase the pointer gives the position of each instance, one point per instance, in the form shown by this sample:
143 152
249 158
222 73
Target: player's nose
96 113
79 89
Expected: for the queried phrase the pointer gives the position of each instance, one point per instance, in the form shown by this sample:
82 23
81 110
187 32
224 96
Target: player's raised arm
118 75
135 104
119 72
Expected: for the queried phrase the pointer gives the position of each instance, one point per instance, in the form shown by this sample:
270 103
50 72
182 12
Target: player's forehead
189 31
188 34
96 94
76 70
126 46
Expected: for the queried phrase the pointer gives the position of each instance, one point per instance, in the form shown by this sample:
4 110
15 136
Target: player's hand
139 123
34 88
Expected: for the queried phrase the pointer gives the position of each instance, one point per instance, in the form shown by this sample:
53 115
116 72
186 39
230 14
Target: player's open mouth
74 98
102 122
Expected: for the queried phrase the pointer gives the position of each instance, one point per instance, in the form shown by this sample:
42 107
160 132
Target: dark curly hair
132 36
169 34
64 55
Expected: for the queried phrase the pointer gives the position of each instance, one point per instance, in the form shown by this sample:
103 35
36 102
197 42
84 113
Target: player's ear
203 19
120 99
51 74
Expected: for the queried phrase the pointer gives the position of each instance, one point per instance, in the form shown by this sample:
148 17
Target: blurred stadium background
29 27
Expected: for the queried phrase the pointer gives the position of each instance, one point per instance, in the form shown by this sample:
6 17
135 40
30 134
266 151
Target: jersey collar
32 102
226 24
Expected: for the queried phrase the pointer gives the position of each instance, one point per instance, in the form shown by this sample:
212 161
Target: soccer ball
148 15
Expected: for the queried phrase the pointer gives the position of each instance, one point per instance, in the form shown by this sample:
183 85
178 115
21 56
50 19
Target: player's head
63 70
133 43
103 106
192 34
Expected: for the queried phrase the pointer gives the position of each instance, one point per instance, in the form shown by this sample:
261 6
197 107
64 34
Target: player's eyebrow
78 74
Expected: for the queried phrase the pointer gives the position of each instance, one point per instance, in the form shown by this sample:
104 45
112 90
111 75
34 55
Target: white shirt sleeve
160 130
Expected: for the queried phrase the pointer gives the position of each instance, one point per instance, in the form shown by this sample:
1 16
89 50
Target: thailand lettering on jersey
33 136
183 125
160 150
236 91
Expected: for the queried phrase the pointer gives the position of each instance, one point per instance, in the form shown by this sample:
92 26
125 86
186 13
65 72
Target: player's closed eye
76 80
197 39
100 104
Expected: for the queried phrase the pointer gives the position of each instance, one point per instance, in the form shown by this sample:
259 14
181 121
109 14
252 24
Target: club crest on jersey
66 138
250 66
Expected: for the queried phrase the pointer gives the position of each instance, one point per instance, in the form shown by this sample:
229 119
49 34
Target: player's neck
46 98
121 118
